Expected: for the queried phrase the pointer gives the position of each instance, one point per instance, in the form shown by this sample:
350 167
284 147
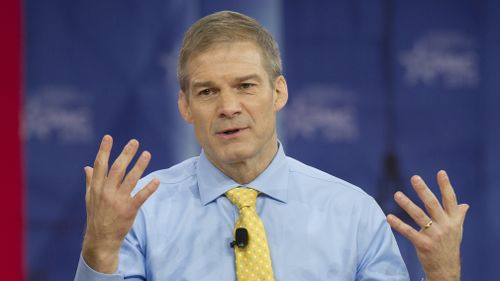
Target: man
304 224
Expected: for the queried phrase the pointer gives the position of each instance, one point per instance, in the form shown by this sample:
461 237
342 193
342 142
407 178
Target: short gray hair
224 27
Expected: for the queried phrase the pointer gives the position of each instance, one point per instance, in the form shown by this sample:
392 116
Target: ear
281 93
183 105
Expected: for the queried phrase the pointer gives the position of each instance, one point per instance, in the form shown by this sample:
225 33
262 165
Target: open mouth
230 132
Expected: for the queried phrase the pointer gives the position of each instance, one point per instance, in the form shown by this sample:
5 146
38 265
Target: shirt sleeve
85 273
379 254
131 266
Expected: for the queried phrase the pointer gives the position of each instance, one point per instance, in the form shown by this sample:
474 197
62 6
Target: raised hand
438 240
111 209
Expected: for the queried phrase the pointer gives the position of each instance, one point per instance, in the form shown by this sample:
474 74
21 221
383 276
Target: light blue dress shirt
319 227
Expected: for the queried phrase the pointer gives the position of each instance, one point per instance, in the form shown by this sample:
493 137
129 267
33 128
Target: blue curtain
379 91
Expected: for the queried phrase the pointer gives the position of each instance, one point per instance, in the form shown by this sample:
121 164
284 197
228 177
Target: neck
246 171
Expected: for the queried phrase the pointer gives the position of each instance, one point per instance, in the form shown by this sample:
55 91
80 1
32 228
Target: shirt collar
273 182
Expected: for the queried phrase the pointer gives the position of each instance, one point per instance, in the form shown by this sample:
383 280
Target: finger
100 170
463 210
447 192
430 201
135 174
117 170
407 231
145 192
415 212
88 177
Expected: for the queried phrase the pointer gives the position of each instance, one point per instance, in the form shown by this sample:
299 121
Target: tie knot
242 197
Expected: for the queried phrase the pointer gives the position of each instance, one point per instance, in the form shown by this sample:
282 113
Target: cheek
269 109
200 116
200 126
265 117
201 133
197 121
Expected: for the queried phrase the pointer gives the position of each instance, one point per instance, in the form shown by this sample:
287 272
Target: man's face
232 105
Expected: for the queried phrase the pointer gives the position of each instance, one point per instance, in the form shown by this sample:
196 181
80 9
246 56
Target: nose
229 104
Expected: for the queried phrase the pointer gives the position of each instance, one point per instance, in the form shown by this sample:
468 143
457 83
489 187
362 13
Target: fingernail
391 218
398 195
443 174
133 142
416 179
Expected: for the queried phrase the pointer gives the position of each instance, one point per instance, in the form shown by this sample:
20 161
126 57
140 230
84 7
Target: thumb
463 209
89 171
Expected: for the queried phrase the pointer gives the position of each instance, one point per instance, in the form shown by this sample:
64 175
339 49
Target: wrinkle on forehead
225 59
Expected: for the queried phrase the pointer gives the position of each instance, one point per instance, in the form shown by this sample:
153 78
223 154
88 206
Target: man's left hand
438 240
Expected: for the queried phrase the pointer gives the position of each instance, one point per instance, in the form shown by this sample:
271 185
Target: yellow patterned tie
253 262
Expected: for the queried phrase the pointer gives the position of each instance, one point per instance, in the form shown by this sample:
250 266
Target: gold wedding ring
427 225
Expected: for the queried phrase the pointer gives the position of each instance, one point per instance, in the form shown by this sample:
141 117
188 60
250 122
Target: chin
234 155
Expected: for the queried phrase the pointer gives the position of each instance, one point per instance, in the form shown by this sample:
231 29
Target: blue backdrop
379 91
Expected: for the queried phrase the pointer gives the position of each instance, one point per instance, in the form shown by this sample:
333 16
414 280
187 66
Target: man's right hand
111 209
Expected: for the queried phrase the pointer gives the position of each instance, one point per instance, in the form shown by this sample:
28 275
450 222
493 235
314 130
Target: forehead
226 60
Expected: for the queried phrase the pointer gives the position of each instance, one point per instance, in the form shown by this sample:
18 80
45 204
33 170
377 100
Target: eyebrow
208 84
200 84
249 77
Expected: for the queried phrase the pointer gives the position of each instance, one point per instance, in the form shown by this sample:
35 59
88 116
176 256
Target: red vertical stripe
11 182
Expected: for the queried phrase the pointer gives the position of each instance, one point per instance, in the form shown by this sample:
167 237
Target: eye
246 86
206 92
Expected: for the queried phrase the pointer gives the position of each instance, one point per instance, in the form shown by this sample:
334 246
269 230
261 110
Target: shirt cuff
85 273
